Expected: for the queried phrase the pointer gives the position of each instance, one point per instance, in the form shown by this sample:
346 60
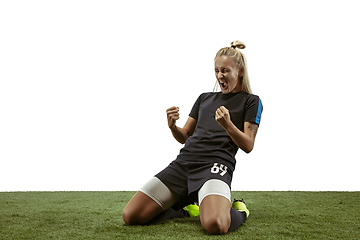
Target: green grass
97 215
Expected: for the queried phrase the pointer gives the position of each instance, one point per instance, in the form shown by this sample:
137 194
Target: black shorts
186 178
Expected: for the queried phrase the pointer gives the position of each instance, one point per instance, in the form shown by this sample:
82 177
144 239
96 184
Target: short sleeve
194 113
254 110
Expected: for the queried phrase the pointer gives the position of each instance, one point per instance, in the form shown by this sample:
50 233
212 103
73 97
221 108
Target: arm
244 140
180 134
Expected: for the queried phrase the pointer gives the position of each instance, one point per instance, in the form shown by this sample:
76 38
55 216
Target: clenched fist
222 116
172 116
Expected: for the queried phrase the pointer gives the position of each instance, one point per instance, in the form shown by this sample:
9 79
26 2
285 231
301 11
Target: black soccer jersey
210 140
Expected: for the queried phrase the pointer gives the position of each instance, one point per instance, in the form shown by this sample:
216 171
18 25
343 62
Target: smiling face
228 74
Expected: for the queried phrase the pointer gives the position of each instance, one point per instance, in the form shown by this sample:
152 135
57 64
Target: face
227 73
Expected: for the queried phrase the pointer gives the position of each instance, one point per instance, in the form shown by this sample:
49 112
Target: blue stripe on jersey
258 115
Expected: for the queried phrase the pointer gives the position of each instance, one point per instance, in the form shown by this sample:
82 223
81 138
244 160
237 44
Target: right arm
180 134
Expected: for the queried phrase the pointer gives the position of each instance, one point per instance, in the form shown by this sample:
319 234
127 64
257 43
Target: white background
84 86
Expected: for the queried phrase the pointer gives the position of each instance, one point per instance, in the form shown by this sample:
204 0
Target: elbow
183 140
186 137
248 149
246 144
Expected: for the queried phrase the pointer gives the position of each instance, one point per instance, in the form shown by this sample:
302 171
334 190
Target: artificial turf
97 215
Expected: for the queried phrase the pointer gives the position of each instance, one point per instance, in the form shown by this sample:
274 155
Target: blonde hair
239 58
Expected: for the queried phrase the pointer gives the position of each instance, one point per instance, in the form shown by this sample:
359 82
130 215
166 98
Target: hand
172 116
222 116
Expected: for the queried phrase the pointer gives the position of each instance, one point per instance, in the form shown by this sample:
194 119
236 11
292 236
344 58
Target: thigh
140 209
200 176
215 214
175 177
215 204
214 187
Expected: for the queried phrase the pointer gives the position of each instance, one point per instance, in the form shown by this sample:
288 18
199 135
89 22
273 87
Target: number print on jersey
216 169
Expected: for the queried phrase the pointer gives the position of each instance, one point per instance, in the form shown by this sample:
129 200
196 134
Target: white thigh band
160 193
214 187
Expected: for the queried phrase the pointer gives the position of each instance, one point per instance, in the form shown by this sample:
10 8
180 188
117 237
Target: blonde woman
218 125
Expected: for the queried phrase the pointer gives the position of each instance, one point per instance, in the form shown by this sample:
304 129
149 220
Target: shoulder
254 106
252 98
206 95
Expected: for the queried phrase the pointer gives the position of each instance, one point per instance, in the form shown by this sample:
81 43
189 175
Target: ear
241 72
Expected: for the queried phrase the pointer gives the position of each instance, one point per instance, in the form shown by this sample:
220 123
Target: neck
237 88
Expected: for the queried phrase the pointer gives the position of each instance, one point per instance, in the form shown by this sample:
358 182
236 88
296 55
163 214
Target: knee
136 216
129 218
216 225
126 216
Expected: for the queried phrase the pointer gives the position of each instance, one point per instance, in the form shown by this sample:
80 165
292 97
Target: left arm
244 140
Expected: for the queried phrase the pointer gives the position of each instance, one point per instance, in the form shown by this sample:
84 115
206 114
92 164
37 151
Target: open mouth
223 84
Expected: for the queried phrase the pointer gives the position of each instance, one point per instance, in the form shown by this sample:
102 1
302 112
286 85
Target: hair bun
237 44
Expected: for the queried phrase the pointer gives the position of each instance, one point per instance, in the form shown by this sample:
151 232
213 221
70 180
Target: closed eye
225 70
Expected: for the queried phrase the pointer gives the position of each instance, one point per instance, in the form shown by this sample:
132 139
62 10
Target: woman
218 125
